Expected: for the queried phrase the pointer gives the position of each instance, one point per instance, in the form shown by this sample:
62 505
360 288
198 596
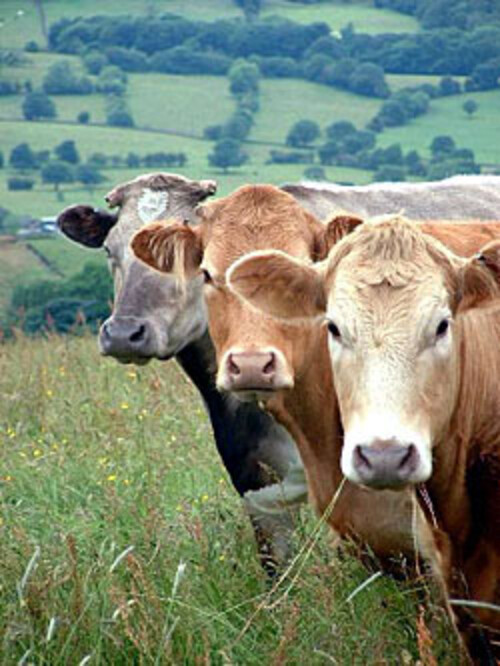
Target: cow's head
256 355
393 300
152 317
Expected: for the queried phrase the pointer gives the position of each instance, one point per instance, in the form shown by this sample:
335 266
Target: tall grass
122 541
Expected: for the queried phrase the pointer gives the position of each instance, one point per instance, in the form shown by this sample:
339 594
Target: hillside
172 111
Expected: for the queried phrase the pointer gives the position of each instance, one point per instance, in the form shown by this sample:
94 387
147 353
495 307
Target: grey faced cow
154 318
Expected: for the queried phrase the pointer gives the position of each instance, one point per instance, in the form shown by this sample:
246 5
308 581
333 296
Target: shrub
18 183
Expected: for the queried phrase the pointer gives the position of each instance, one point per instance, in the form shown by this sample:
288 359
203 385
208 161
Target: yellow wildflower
111 477
49 393
37 453
124 405
204 498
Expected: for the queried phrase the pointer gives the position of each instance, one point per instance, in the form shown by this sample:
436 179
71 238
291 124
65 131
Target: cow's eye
333 330
207 278
442 328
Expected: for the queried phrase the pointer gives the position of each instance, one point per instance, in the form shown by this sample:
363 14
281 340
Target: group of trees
62 165
81 301
244 87
349 147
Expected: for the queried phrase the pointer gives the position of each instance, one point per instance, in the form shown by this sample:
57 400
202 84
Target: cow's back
457 198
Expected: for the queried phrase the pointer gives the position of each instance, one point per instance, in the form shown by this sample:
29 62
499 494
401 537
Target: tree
369 79
120 117
442 144
89 176
57 173
449 86
22 157
61 79
470 107
38 105
227 153
244 78
83 117
339 130
251 8
112 80
303 133
67 152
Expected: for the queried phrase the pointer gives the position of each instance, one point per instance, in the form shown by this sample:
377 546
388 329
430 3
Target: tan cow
414 338
259 357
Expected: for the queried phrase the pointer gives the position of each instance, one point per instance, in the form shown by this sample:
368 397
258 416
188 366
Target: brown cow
414 346
259 357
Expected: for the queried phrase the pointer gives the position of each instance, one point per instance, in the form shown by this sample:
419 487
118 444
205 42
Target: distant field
67 257
479 132
16 264
142 554
18 29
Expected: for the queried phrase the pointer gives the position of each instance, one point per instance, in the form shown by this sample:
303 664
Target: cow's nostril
270 366
233 368
361 458
139 334
407 458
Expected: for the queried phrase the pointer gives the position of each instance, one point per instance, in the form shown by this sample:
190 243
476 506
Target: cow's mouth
254 394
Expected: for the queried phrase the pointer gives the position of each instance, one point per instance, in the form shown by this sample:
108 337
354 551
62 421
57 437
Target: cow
261 358
456 198
152 318
414 335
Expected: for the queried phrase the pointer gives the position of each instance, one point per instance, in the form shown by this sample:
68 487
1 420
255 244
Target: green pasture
17 29
122 541
17 263
446 116
67 258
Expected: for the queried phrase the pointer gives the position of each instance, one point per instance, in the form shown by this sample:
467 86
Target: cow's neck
310 413
238 428
474 429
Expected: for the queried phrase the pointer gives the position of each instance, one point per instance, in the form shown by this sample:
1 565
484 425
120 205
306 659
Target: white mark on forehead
152 204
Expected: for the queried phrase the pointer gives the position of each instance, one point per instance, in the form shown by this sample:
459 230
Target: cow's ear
334 230
115 196
86 225
479 278
169 247
207 188
278 285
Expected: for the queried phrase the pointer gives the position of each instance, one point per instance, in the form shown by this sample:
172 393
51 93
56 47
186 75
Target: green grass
17 30
446 116
97 458
17 262
67 258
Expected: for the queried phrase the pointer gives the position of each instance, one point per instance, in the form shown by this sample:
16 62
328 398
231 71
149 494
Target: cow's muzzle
255 372
386 464
128 339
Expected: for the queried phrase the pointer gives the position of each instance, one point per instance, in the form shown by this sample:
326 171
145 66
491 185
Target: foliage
129 60
183 60
56 173
291 157
470 107
251 8
83 117
111 80
243 78
19 183
303 133
38 105
61 79
9 87
22 157
67 152
227 153
55 305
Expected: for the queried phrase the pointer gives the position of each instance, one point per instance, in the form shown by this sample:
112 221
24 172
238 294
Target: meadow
122 541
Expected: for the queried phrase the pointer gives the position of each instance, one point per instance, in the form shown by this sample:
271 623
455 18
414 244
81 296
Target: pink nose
254 370
386 463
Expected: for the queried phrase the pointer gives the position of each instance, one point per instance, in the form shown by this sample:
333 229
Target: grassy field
17 29
16 263
122 541
66 257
